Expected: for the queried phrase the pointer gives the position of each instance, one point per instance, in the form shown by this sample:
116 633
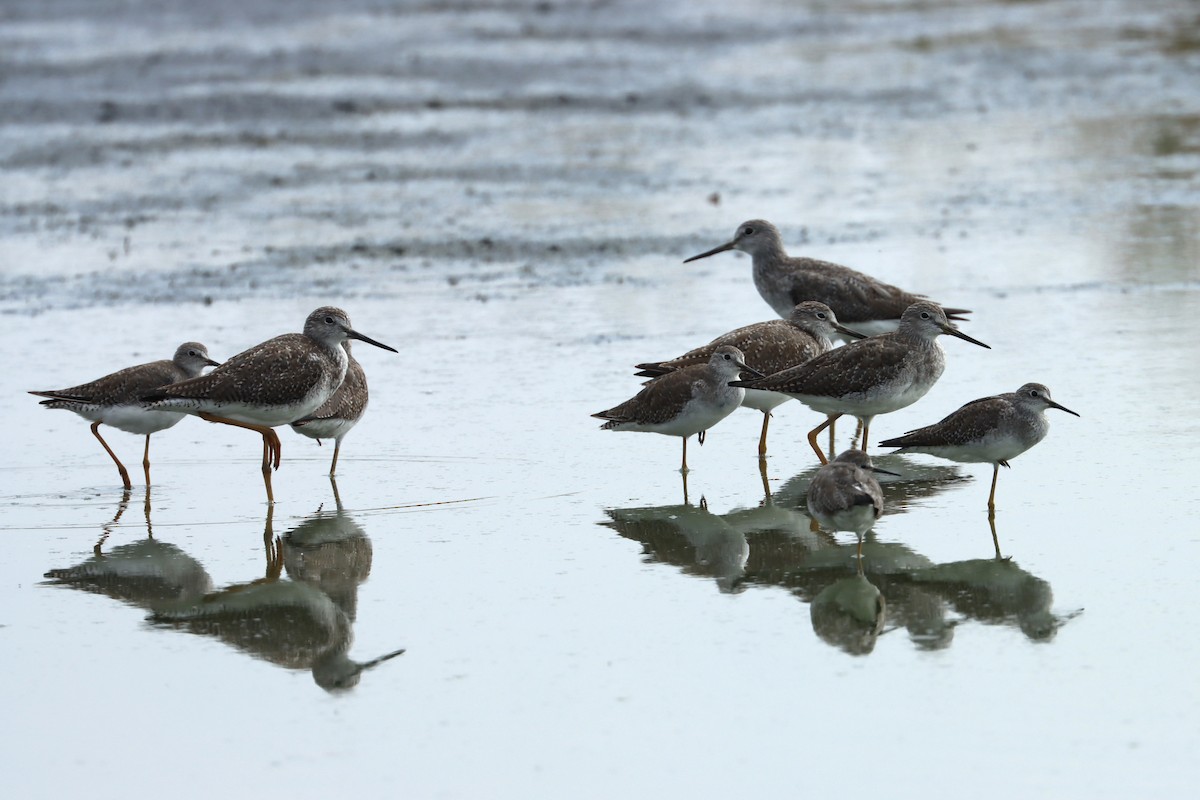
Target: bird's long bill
1053 404
366 665
753 373
212 363
713 252
842 329
353 334
886 472
947 329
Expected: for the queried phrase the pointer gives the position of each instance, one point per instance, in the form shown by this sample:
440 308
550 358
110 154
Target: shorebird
114 399
990 430
861 302
768 347
870 377
845 496
340 412
273 383
684 402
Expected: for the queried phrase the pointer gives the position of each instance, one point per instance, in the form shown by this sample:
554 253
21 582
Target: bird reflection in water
302 623
690 537
995 591
144 574
851 602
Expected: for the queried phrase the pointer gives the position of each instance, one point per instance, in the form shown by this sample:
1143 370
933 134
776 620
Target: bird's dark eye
728 357
747 231
820 315
193 353
924 315
1033 392
329 320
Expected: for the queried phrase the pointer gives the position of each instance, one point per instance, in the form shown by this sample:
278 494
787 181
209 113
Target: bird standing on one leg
340 412
990 430
115 399
684 402
768 347
273 383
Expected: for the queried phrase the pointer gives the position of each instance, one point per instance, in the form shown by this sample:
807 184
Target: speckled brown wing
275 372
853 295
120 387
660 401
858 367
971 423
768 347
350 400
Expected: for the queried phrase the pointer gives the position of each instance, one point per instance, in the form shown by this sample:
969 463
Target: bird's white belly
763 401
325 428
882 399
134 418
858 519
989 450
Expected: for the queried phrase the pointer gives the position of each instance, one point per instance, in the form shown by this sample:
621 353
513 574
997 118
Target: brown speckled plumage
769 346
126 386
685 402
273 383
349 402
783 280
115 399
874 376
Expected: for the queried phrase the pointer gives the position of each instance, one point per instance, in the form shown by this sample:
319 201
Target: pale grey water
505 192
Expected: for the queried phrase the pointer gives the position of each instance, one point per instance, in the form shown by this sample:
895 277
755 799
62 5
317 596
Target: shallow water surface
505 193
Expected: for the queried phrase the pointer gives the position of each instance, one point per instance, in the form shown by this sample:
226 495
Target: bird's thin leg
859 558
272 449
762 440
812 436
832 437
112 455
685 489
146 460
762 471
866 428
337 447
684 468
992 496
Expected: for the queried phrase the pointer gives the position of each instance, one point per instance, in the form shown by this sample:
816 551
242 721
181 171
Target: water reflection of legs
107 528
273 546
995 538
762 472
337 498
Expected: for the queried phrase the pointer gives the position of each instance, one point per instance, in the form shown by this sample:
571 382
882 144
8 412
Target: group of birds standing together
307 380
311 381
892 360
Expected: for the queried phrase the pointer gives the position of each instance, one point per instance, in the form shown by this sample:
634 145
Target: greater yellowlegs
769 347
114 399
861 302
684 402
273 383
340 412
845 496
990 430
872 376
